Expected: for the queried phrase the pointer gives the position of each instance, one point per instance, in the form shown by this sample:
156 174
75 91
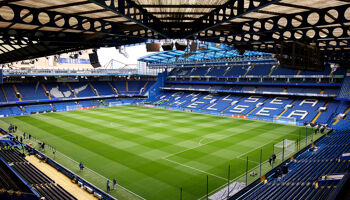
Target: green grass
153 152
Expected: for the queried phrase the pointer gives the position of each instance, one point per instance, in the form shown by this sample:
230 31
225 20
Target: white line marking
95 172
201 141
236 133
249 160
195 169
103 177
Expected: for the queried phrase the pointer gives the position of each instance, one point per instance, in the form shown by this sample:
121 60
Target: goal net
73 107
113 104
285 148
285 120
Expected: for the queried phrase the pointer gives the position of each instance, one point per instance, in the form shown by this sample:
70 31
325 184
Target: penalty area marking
194 169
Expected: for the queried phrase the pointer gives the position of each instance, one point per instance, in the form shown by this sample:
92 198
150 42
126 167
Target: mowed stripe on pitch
162 180
129 142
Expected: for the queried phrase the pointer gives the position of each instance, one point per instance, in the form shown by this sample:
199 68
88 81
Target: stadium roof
205 51
35 28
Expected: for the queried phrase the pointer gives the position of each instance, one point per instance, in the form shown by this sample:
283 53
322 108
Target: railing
72 72
212 62
253 167
70 168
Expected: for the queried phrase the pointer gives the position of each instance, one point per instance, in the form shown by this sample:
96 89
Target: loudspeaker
94 60
168 46
180 46
153 47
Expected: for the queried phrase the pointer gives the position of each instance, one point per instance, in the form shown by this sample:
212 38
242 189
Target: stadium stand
277 61
257 95
39 181
305 178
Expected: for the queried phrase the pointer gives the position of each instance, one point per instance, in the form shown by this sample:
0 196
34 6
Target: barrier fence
87 174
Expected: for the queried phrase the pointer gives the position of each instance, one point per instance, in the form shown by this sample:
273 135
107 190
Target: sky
105 55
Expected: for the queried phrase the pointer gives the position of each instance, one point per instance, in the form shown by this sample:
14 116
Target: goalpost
73 107
285 120
113 104
285 148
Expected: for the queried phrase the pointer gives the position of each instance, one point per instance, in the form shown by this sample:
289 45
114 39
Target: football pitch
155 152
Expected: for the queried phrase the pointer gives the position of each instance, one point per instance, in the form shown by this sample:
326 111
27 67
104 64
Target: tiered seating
88 103
103 88
10 92
30 91
120 86
10 111
236 71
331 91
222 103
58 90
303 109
135 86
180 71
246 105
324 118
260 70
5 111
82 89
314 90
11 186
294 90
270 89
274 106
41 183
345 89
254 70
2 96
38 108
63 106
200 71
305 171
218 71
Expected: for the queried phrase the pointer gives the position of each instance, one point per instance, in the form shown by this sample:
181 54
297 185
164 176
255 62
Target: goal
113 104
285 148
285 120
73 107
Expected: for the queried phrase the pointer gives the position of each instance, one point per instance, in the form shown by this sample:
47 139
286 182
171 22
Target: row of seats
21 110
43 91
40 182
9 181
248 70
306 170
345 90
304 109
249 88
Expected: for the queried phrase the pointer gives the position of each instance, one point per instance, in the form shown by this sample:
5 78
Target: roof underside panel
249 23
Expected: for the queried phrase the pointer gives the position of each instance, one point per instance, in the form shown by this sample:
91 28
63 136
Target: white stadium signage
239 109
265 111
253 99
301 113
278 100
